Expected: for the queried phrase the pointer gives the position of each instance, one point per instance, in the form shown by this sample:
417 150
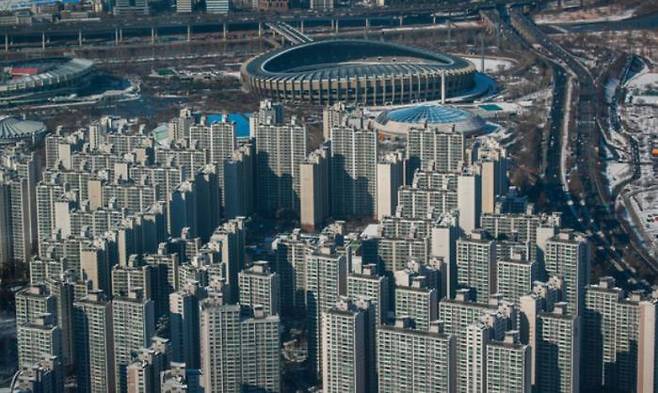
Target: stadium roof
337 59
65 71
12 128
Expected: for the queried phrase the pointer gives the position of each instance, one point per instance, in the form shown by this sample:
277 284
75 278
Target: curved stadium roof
59 71
12 129
337 59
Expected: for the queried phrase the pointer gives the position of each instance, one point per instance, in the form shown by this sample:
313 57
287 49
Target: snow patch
491 65
617 172
602 14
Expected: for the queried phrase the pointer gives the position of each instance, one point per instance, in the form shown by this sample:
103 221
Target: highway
117 29
164 27
116 32
294 16
238 20
591 211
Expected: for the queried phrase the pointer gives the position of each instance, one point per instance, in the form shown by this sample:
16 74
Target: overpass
117 30
288 32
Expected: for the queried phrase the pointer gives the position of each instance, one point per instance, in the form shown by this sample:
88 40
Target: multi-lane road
573 154
118 29
110 29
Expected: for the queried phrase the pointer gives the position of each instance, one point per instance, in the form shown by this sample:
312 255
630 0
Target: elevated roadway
117 30
288 32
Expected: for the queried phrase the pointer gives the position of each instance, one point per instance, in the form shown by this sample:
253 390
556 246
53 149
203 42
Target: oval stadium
358 71
13 130
39 79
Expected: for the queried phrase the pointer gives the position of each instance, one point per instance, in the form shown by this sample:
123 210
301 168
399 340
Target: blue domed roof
430 114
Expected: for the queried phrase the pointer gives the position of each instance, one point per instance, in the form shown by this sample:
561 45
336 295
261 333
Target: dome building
38 80
13 130
439 117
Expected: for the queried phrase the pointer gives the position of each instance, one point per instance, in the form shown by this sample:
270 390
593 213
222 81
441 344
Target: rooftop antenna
443 87
449 30
498 35
482 52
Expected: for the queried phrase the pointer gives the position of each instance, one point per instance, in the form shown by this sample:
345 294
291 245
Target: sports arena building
358 71
13 130
429 116
30 81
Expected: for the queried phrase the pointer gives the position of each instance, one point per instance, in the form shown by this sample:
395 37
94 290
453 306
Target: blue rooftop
241 121
430 114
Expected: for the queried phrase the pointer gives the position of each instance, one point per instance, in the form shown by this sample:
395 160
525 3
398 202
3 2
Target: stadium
13 130
31 81
358 71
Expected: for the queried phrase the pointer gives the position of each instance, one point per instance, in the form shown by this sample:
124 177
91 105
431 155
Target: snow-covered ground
641 122
646 99
565 146
232 74
644 80
645 207
617 141
643 88
497 134
458 25
491 65
543 94
601 14
610 89
617 172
